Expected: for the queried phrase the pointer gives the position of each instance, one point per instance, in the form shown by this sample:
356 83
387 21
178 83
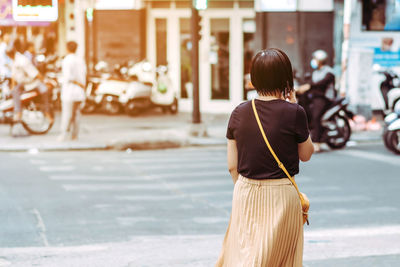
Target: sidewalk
152 130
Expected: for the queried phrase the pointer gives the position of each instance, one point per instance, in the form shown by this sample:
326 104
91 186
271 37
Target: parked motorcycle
390 90
161 94
102 91
33 118
391 133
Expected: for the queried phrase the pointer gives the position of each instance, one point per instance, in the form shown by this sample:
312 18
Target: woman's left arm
233 159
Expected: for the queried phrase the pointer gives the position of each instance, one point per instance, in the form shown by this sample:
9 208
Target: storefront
225 51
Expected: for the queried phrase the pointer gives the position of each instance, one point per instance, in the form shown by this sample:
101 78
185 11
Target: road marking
133 186
83 177
59 168
210 220
150 197
206 174
112 187
370 210
132 220
42 228
37 161
4 262
211 193
224 205
187 165
354 232
164 160
319 189
339 199
393 160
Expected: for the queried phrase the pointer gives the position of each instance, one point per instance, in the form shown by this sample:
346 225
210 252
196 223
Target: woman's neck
269 97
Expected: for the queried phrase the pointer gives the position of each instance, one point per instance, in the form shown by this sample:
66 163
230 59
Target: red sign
6 17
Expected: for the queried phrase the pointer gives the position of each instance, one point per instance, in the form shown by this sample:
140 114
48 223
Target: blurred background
146 182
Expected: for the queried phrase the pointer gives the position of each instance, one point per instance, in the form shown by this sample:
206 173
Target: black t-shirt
285 125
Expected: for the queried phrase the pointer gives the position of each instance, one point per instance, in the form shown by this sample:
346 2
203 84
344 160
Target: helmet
320 55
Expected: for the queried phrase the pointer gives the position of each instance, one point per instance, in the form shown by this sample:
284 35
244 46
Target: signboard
115 4
275 6
293 5
6 16
386 58
35 10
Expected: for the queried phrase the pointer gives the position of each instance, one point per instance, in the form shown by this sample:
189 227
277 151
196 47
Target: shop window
219 58
249 30
381 15
161 41
246 3
220 4
160 4
185 53
183 3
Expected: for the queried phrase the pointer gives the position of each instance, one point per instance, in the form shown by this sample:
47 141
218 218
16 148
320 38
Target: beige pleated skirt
266 225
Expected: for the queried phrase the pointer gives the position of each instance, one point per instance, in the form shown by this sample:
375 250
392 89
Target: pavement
152 130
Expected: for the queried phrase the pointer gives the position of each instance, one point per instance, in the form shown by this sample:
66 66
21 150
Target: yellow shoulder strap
280 164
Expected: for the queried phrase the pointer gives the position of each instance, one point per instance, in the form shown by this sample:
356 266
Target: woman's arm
233 159
306 149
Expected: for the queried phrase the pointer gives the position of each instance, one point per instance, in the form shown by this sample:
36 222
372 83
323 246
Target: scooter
150 91
391 133
335 123
390 90
103 90
33 118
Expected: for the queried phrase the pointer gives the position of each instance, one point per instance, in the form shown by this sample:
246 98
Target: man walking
72 92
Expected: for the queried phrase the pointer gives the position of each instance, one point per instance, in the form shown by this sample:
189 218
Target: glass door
185 55
219 58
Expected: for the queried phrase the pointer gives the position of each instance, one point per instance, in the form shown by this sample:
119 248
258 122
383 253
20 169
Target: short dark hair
271 72
72 46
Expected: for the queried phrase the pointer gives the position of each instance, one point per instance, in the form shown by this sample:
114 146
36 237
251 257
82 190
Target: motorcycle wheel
343 127
386 139
89 107
131 109
174 107
33 119
393 138
111 108
396 105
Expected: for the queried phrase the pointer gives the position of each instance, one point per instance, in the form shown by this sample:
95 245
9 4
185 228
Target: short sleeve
30 70
232 124
301 130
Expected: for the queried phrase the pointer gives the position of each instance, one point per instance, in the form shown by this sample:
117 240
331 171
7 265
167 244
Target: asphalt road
171 207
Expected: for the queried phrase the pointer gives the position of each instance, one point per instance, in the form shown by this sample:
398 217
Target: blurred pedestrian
5 62
266 224
320 91
25 76
72 92
30 52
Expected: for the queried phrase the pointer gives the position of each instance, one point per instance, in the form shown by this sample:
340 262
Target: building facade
227 45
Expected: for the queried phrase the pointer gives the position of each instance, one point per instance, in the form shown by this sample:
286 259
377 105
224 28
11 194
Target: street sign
293 5
200 4
35 10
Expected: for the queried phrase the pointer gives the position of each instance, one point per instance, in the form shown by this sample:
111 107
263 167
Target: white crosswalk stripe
391 160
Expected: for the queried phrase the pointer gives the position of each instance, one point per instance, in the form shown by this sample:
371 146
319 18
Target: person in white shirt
72 92
5 62
24 75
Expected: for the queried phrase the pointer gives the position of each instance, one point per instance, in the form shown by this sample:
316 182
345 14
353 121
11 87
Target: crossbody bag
305 202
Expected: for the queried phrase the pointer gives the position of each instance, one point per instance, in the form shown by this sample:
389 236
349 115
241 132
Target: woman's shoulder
241 107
